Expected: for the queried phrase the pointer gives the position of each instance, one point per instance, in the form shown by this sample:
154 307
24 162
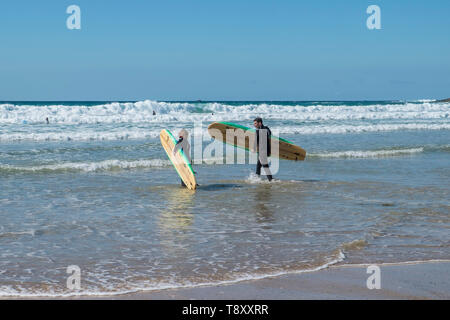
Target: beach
426 280
93 190
408 281
229 150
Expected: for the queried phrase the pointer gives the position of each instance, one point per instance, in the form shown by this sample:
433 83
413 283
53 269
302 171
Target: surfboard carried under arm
179 159
243 137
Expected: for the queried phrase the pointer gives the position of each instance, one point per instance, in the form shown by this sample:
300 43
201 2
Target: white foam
119 121
8 292
342 129
105 165
367 153
92 166
142 133
167 112
82 135
426 100
402 263
255 179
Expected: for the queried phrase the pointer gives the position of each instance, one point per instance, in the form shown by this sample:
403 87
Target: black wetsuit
265 133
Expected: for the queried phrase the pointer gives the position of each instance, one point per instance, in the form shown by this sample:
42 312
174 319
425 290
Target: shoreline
404 280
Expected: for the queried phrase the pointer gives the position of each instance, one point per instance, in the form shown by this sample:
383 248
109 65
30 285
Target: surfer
183 144
262 147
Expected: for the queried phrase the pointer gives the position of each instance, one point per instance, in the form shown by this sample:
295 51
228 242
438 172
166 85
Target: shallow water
95 189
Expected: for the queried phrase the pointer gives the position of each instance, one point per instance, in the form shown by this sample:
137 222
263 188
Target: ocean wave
354 245
425 100
115 164
82 135
367 153
17 234
142 133
342 129
88 166
7 291
106 165
166 112
401 263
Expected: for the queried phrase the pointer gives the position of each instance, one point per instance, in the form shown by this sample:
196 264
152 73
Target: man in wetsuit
183 144
262 147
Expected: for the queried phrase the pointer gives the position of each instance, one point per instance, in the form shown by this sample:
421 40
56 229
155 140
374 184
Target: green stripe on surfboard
183 155
251 129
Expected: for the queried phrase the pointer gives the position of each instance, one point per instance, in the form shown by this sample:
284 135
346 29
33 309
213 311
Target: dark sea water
95 189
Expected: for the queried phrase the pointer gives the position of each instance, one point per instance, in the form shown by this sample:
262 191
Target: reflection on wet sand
175 222
178 212
262 197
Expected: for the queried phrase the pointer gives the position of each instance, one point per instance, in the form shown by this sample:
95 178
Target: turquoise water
94 188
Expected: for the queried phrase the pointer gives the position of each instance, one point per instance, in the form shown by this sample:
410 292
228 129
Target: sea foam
142 112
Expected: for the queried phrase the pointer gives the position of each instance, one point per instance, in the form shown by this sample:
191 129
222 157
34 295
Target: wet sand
424 280
406 281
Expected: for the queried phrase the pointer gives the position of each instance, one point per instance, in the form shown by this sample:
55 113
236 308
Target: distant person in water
183 144
46 120
262 147
154 113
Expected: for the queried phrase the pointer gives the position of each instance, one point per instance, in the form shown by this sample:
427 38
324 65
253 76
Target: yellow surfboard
243 137
179 160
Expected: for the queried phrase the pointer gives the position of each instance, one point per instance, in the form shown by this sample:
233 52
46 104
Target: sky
224 50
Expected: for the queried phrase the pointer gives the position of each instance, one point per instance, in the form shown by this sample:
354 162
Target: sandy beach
100 195
421 280
403 281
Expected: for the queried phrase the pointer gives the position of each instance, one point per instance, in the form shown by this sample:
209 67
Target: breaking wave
106 165
88 166
150 133
367 153
142 112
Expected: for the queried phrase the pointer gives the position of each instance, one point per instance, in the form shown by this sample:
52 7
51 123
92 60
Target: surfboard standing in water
262 147
183 144
179 155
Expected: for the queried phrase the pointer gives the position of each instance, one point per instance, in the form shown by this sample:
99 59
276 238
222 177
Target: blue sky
224 50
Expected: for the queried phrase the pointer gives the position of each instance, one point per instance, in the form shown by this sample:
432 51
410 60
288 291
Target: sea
91 205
